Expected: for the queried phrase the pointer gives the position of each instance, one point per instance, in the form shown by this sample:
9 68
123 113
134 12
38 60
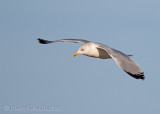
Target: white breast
93 51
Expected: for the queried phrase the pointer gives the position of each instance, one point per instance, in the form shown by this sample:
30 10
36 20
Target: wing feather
42 41
125 62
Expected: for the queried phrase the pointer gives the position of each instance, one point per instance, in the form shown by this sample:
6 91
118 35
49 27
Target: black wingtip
42 41
130 55
139 76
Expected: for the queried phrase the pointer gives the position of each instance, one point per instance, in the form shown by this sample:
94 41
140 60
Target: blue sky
34 75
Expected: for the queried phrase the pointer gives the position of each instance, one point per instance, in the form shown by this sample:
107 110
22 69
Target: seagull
99 50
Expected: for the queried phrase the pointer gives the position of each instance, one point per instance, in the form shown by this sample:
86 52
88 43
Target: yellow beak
75 54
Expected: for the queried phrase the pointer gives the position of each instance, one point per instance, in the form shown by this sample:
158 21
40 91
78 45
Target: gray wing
124 62
42 41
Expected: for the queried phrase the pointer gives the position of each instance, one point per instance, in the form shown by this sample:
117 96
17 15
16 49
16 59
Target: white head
82 50
88 49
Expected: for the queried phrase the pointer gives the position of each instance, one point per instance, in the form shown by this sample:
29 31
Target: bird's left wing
125 62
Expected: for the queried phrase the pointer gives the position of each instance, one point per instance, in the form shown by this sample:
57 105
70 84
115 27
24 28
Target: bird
99 50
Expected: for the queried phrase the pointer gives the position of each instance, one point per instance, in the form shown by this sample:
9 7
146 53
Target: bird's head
82 50
88 49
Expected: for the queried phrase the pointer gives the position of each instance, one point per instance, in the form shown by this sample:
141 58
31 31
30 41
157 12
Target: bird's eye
82 49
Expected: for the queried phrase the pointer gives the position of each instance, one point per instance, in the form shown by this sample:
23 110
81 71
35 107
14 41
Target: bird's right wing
42 41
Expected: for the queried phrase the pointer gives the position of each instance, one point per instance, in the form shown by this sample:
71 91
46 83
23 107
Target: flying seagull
98 50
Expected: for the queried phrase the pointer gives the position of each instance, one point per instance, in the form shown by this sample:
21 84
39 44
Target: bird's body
98 50
93 51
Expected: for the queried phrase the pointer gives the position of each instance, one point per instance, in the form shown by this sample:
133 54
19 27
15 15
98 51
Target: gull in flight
98 50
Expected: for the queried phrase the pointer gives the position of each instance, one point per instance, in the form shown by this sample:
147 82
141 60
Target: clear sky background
34 75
